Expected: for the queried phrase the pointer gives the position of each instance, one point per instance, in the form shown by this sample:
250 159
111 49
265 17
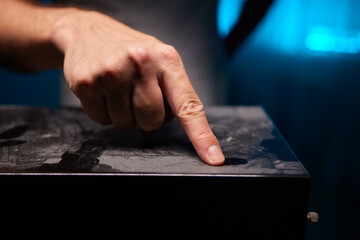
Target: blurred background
302 64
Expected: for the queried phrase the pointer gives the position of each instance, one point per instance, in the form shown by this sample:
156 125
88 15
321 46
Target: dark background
302 64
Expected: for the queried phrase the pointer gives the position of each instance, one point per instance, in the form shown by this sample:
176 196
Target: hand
126 77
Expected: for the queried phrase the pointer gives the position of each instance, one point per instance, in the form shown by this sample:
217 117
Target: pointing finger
188 108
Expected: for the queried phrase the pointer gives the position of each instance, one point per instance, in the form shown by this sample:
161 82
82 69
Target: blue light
309 26
228 12
341 44
331 42
320 42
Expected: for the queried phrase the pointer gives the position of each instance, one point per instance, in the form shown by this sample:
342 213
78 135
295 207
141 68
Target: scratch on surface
229 139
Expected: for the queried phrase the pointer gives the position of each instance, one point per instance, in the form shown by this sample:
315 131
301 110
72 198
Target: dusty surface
66 140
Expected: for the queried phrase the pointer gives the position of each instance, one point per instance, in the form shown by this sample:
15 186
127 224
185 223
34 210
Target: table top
44 141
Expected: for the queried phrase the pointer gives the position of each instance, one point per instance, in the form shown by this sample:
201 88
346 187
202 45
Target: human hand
126 77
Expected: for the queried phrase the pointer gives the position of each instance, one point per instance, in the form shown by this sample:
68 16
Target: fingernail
215 155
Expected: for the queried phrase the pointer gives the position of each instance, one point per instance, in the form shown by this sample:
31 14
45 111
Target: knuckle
82 81
169 54
83 84
140 55
111 65
189 109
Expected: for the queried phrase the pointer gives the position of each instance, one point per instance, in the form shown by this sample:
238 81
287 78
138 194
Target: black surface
88 181
42 140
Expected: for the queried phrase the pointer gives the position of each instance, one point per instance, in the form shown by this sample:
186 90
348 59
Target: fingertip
214 156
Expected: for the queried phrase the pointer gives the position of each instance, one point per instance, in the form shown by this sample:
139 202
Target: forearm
26 36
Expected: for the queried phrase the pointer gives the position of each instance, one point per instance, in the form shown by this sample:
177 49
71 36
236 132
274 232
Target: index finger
188 109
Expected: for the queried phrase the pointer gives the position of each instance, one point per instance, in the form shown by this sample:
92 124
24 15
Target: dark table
63 175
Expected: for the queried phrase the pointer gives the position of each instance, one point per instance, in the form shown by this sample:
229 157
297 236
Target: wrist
25 41
61 32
